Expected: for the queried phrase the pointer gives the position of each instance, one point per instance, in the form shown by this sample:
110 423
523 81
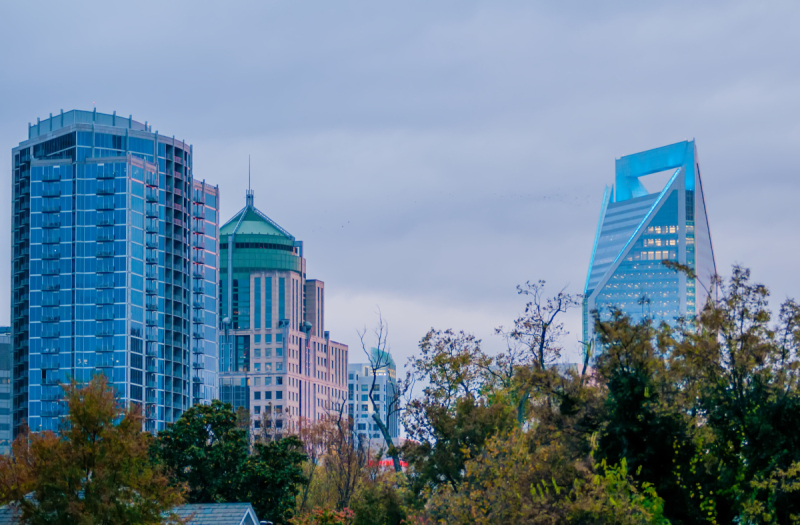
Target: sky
434 155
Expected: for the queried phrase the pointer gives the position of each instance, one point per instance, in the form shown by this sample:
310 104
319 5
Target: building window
257 395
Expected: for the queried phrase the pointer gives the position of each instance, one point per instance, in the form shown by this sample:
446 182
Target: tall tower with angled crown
639 229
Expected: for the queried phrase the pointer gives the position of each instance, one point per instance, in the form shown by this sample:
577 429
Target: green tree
272 478
452 419
206 451
511 482
740 369
95 470
380 501
644 421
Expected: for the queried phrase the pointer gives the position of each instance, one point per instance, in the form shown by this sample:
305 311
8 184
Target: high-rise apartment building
276 359
114 268
360 378
639 229
5 390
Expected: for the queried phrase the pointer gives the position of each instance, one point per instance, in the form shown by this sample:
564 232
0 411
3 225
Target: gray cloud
434 155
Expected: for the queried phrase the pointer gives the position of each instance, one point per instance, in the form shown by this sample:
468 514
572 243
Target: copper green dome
259 243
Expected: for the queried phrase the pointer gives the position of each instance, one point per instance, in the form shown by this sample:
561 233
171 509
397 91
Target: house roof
200 513
9 515
218 514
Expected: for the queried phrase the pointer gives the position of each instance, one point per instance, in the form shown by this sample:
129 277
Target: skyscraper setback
639 229
114 268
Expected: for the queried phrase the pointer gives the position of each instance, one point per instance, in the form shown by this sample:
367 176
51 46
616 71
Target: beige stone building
276 358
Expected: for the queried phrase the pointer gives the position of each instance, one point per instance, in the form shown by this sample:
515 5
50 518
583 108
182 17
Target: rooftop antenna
249 194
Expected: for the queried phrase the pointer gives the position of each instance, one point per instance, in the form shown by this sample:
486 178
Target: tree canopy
96 469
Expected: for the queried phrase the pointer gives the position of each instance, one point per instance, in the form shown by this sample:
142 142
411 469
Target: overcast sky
433 155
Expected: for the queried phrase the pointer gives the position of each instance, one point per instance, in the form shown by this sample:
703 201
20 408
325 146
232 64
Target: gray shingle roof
218 513
8 515
202 514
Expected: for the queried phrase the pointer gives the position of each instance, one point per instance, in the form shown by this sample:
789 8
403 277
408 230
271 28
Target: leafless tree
380 359
346 460
533 341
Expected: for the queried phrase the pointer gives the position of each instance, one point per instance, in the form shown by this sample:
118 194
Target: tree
95 470
380 360
740 370
346 461
510 481
380 502
205 450
533 344
645 421
272 478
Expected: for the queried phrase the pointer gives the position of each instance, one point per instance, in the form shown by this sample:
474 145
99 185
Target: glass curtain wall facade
639 229
276 359
106 257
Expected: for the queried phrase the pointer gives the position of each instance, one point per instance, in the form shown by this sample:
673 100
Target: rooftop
218 514
200 513
250 221
76 116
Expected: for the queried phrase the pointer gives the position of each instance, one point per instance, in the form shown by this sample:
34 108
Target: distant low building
5 390
360 408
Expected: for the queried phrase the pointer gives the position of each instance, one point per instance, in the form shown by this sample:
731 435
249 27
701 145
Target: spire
249 194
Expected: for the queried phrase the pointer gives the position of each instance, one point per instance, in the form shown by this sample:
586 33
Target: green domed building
276 359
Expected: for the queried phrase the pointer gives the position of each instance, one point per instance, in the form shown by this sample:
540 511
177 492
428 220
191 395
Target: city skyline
418 131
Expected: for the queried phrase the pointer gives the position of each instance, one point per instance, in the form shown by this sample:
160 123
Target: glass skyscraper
114 268
639 229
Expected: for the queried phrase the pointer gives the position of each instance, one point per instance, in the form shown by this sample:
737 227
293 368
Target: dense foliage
95 470
695 422
208 452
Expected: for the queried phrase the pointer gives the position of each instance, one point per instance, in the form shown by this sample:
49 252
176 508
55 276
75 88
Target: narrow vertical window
257 300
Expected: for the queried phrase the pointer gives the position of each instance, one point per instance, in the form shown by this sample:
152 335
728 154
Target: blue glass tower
114 261
639 229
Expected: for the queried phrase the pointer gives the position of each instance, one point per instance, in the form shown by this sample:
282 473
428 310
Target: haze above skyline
433 156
